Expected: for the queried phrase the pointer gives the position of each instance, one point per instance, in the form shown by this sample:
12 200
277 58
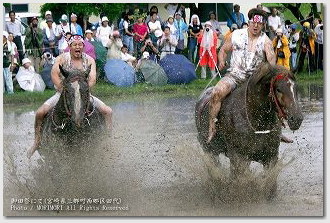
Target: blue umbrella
45 75
178 69
119 72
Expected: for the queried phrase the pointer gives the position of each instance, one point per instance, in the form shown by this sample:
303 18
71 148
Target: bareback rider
74 60
250 47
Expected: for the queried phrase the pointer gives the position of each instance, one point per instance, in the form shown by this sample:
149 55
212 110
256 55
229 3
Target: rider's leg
40 115
220 91
105 110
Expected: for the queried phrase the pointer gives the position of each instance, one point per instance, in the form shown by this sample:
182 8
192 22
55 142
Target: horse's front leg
271 177
239 165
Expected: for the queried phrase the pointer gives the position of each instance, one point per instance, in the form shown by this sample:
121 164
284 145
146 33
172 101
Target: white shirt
274 21
62 43
154 26
319 34
103 33
127 57
293 39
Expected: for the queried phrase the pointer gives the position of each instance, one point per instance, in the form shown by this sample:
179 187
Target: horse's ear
63 72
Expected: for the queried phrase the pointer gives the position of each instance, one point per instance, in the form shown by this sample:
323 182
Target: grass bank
111 92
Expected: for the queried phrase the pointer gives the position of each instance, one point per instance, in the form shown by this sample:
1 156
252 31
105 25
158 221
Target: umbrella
153 73
45 75
178 69
29 80
119 72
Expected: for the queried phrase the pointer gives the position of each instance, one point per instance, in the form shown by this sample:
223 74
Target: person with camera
151 48
208 49
49 41
307 46
274 23
140 29
167 43
318 43
33 43
293 40
114 45
281 48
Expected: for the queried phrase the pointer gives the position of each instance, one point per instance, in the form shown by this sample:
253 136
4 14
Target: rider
249 47
74 59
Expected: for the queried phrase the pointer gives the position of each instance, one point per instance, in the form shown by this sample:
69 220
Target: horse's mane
265 72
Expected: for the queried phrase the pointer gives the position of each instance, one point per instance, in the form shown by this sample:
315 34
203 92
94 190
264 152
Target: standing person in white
274 23
61 31
104 31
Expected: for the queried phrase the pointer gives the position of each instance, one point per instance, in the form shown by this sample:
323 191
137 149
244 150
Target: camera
207 29
321 27
48 55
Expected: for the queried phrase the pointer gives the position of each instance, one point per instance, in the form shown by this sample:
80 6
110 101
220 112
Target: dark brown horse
74 120
250 119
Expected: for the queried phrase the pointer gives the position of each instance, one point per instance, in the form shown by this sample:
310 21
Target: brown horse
74 120
250 119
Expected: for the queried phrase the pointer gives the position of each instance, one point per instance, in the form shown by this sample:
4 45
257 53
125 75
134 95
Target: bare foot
286 139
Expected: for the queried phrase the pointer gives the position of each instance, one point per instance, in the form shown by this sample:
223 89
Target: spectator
281 48
114 45
181 29
33 43
153 9
61 31
75 27
12 46
28 79
167 43
154 25
16 28
121 25
307 46
194 30
318 43
140 30
215 24
293 40
7 60
128 33
170 23
207 52
286 28
89 35
151 48
227 36
236 17
128 58
274 23
104 31
182 10
48 16
49 40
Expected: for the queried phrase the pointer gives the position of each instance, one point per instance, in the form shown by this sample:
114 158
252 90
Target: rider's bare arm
92 74
270 54
227 47
56 74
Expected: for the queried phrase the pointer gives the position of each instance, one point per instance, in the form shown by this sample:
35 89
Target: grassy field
111 92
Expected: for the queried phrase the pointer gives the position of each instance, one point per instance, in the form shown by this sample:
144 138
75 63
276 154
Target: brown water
153 165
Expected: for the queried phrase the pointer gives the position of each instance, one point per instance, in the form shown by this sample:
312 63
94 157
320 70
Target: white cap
88 31
48 13
145 55
64 17
158 33
208 23
26 60
73 15
104 18
5 33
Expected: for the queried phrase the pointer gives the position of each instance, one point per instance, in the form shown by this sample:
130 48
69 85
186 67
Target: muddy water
152 164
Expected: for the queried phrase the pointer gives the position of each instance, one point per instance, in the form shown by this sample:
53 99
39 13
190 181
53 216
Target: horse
74 121
250 120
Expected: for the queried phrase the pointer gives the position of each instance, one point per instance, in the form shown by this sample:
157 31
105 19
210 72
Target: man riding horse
73 61
250 47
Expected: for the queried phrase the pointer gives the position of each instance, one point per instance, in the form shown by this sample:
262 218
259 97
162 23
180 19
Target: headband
75 38
257 19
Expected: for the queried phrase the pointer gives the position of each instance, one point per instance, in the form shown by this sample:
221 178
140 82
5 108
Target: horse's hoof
286 139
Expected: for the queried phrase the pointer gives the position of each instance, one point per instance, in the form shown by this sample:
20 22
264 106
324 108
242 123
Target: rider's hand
222 64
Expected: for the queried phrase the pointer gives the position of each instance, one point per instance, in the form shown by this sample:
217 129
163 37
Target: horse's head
282 89
76 96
